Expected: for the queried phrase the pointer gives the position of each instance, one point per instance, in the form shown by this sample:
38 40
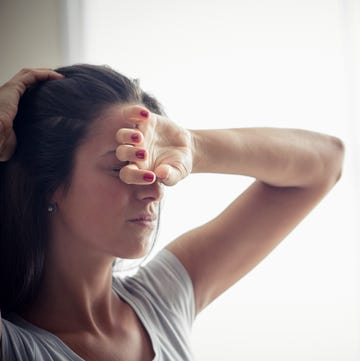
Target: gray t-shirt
160 293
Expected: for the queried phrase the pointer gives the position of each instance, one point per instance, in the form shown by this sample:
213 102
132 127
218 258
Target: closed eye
118 167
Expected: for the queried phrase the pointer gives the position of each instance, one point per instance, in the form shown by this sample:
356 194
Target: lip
146 220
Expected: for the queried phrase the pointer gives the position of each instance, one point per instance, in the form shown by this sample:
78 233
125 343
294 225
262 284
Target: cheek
108 198
96 212
98 197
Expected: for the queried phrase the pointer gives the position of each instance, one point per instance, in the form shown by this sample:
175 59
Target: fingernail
148 177
144 113
135 137
140 154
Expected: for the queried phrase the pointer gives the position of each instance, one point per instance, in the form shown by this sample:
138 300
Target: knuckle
29 71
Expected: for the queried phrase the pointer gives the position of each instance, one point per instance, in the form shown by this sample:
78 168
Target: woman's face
99 213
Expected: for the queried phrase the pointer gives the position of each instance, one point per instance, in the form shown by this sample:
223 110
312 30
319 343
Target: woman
83 187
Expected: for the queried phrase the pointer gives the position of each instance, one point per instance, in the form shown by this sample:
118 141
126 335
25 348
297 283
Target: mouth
145 220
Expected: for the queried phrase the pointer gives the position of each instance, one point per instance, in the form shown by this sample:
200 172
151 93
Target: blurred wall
30 35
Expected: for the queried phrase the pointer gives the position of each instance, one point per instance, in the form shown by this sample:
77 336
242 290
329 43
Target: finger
39 71
168 175
130 153
2 136
129 136
7 147
131 174
136 114
27 77
31 76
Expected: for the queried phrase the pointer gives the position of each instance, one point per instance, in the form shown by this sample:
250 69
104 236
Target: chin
136 250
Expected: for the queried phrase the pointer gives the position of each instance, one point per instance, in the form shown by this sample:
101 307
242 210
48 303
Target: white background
287 63
222 63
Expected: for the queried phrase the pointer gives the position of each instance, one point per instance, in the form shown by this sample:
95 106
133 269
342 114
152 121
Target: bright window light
279 63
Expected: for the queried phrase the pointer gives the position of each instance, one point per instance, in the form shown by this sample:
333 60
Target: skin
10 94
84 243
293 170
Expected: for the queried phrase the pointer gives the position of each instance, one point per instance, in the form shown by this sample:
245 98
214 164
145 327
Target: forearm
279 157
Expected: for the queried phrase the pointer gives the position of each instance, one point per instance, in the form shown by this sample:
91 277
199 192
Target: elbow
332 157
340 153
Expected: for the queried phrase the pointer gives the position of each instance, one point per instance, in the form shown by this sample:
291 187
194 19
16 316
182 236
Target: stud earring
52 207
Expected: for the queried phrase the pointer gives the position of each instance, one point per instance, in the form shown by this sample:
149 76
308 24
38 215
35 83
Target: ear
58 195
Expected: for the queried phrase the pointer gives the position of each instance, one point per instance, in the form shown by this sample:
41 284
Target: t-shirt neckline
55 340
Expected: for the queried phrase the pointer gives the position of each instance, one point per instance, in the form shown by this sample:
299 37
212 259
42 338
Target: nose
150 193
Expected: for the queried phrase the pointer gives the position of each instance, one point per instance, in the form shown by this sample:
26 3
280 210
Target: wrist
196 146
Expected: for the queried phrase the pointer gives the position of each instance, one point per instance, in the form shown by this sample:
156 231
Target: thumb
168 175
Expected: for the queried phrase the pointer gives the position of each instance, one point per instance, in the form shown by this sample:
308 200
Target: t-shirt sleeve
14 345
168 284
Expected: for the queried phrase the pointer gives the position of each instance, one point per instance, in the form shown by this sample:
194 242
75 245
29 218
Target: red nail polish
140 154
144 113
135 137
148 177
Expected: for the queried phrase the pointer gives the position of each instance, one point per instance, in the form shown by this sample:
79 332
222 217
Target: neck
76 292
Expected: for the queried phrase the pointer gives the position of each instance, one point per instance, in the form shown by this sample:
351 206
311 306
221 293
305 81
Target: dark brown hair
52 120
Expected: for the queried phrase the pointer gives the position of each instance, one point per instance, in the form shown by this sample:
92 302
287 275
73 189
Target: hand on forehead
137 126
130 116
155 147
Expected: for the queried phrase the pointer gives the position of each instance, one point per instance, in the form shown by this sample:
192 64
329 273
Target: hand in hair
10 94
156 148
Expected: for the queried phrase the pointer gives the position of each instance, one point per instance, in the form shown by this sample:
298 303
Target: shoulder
161 293
22 341
17 343
163 282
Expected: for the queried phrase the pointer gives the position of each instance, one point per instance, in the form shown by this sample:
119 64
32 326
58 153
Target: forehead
112 117
102 131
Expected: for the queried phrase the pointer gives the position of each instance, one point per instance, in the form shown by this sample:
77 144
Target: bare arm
293 170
